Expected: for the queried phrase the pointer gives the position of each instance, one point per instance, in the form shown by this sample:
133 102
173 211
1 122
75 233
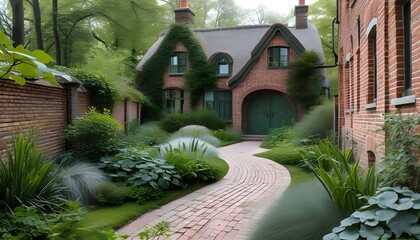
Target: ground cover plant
276 136
227 136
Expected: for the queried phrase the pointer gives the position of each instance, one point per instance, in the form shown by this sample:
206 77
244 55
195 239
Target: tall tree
37 22
18 28
55 32
227 14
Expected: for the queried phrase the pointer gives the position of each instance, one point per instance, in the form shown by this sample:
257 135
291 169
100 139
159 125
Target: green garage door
267 111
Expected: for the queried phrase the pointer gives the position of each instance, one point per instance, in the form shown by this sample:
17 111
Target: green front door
266 111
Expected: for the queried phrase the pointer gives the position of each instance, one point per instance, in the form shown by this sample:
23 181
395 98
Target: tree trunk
37 20
55 31
18 30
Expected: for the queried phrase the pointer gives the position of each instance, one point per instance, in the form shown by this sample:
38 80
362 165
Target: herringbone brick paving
227 209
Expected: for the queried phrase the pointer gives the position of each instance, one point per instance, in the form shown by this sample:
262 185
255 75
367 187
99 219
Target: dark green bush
148 136
304 212
317 123
277 136
109 193
144 194
94 133
204 117
140 167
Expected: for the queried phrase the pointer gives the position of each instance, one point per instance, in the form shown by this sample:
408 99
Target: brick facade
360 114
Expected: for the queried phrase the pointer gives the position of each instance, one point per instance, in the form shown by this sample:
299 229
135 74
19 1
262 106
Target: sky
282 7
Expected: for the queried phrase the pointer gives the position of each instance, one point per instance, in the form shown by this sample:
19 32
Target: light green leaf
5 40
350 234
415 230
22 49
349 221
402 204
18 79
386 198
385 214
50 78
371 233
402 223
42 56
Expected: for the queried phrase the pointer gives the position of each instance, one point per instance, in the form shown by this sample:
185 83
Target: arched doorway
266 110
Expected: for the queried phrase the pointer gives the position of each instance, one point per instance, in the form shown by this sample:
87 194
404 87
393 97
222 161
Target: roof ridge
233 28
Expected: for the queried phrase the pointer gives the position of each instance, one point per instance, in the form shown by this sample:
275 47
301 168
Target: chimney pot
184 4
301 2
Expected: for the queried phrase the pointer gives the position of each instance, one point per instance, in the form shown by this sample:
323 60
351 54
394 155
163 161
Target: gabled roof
243 43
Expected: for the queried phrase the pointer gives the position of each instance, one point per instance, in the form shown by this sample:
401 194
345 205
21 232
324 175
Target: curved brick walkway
227 209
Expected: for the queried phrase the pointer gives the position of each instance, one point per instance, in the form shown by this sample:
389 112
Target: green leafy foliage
341 179
198 132
276 136
304 212
206 118
148 136
304 81
391 213
144 194
27 222
285 153
27 178
81 180
317 123
227 135
159 230
401 165
201 76
140 167
99 87
19 64
95 132
109 193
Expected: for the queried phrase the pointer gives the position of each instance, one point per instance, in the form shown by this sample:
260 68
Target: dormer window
178 63
222 66
278 57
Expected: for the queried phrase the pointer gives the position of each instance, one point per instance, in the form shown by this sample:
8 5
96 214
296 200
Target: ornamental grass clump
27 178
342 180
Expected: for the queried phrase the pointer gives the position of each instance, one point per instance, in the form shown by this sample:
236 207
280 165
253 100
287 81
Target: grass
298 175
104 218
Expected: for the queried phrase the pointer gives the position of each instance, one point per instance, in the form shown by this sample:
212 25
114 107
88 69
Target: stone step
252 137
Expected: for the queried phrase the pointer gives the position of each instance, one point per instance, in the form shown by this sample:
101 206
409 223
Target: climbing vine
201 75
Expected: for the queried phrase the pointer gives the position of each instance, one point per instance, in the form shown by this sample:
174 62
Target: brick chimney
184 15
301 14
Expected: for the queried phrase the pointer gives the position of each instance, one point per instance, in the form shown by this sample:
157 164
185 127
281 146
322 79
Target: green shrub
148 136
318 122
95 132
198 132
304 212
81 179
277 136
401 166
284 153
227 135
140 167
204 117
27 222
341 179
109 193
27 178
391 213
144 194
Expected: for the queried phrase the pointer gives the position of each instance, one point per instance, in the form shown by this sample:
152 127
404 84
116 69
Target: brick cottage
379 69
252 67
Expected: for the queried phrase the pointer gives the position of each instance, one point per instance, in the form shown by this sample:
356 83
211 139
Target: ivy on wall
201 75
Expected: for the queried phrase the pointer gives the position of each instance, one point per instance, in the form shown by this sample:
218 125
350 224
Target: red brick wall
360 126
261 78
33 105
83 103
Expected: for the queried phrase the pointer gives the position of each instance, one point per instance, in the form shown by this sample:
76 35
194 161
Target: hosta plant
138 167
393 213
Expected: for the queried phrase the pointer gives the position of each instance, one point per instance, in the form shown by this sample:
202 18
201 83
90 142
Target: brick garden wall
36 105
360 120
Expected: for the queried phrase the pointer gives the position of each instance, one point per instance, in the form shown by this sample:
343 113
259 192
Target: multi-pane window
173 101
278 57
406 9
219 101
222 66
178 62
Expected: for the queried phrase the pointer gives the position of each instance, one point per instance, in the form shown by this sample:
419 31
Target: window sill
370 106
176 74
404 100
223 75
348 111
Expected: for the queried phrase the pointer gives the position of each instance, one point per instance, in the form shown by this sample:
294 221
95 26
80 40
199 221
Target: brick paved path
227 209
